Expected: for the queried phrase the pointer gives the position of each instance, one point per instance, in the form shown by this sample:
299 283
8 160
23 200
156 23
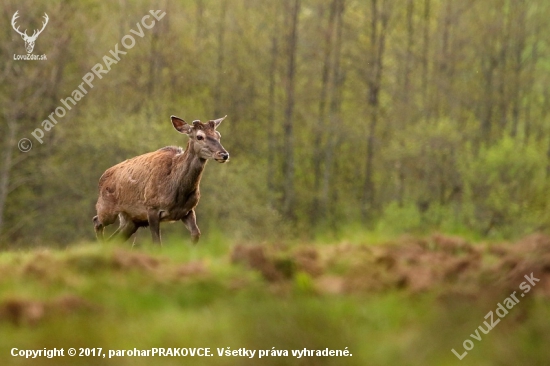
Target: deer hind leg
153 216
190 221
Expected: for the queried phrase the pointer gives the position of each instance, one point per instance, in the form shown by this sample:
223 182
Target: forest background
343 115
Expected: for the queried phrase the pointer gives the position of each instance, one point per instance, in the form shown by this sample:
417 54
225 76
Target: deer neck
189 167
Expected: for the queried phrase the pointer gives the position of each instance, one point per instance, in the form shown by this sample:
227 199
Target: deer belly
174 213
136 214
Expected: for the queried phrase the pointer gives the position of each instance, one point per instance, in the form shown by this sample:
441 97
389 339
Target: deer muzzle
222 157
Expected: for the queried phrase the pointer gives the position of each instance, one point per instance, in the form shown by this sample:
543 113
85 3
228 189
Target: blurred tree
380 16
288 162
320 131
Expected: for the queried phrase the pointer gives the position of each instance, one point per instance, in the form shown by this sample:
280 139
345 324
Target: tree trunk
335 118
380 20
486 121
200 21
320 129
426 56
288 154
443 79
271 146
5 172
409 54
518 62
530 80
220 61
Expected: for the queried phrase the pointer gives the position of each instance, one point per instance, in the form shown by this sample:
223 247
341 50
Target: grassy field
403 302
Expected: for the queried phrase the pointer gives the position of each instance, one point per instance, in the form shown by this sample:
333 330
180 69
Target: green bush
506 184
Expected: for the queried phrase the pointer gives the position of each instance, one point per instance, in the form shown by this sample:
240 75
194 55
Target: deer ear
215 123
180 125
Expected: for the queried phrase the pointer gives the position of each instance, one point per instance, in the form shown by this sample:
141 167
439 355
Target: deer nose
224 156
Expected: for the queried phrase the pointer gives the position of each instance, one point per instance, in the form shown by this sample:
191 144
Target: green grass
194 296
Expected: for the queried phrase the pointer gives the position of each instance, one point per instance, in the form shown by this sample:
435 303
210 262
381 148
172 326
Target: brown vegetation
440 263
20 311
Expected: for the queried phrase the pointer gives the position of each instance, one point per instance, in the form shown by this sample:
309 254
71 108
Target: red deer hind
159 186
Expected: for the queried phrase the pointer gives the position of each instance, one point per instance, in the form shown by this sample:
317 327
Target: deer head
205 140
29 40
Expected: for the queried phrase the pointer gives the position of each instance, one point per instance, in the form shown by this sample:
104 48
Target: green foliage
507 186
398 220
237 202
303 283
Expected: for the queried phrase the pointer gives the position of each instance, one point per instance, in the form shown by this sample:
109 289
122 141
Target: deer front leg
98 227
190 221
124 231
154 224
127 231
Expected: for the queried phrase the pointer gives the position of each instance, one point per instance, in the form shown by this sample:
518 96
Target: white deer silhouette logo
29 41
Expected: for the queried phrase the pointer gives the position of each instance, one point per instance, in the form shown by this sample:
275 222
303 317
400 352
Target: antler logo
29 40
